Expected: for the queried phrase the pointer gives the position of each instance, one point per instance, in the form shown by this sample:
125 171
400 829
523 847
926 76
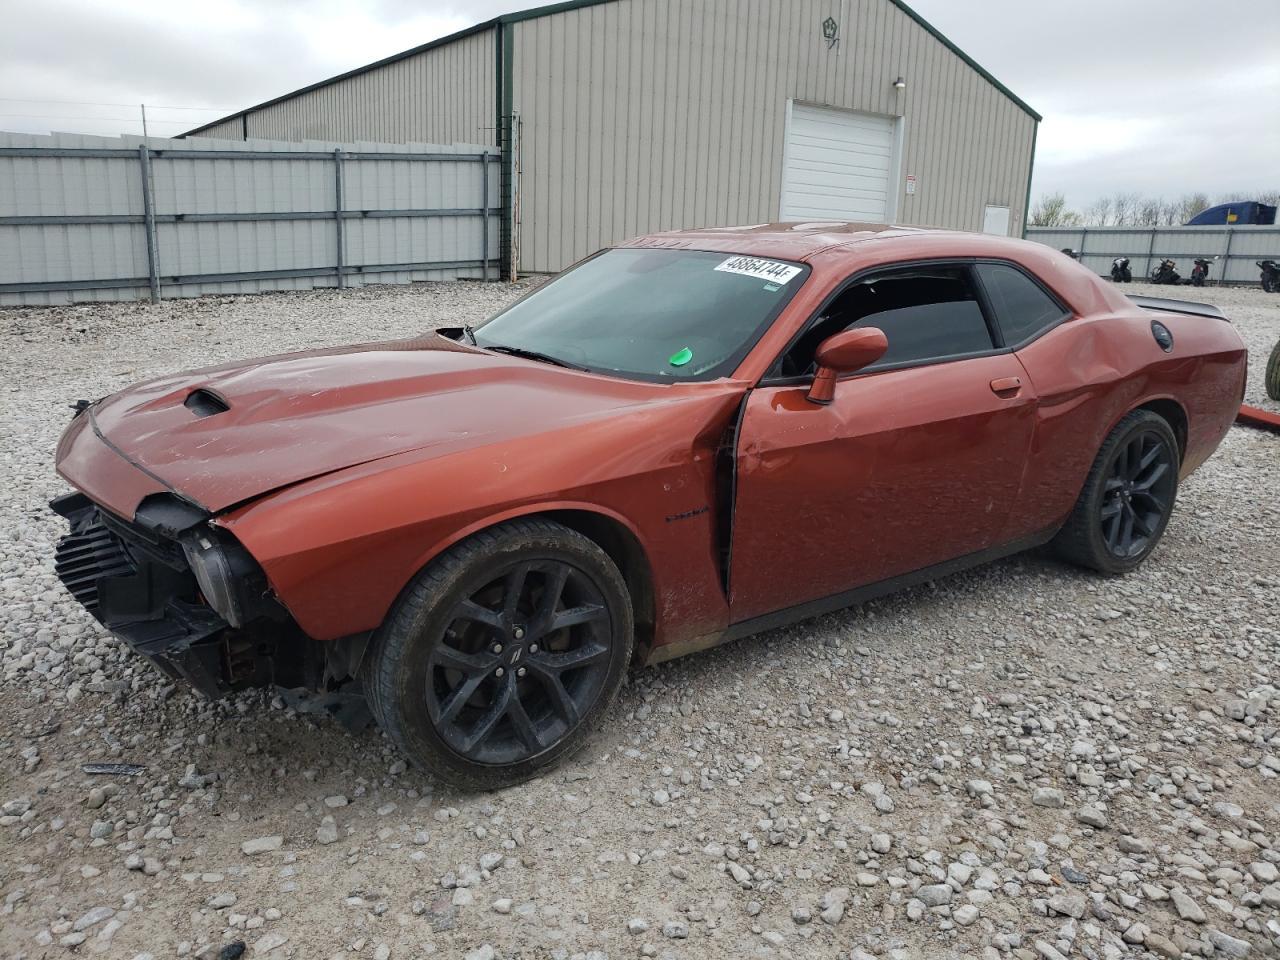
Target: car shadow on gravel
312 742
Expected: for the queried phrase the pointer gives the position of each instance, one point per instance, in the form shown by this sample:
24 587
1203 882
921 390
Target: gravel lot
1025 760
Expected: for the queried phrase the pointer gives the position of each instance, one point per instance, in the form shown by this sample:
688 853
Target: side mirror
844 352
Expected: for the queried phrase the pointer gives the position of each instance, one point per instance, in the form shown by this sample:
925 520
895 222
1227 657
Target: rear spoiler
1179 306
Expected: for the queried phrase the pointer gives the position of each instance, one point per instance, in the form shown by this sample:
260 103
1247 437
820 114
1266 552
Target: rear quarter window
1023 308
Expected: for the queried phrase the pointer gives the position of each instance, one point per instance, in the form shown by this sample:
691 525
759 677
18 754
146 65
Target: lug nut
499 672
518 633
497 648
520 672
533 648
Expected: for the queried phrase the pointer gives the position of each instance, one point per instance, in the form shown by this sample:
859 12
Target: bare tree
1051 211
1098 213
1125 206
1269 197
1190 205
1132 209
1147 212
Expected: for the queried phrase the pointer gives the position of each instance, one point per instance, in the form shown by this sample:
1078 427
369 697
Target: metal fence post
1151 250
1226 256
484 216
149 222
337 215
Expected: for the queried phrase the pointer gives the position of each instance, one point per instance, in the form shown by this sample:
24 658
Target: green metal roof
566 5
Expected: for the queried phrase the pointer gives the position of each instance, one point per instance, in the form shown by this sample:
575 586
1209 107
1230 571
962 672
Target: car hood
225 435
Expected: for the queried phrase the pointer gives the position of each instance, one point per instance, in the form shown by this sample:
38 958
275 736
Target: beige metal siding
442 95
229 129
645 115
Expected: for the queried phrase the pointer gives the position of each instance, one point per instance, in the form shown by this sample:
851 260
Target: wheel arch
611 532
1165 407
1173 413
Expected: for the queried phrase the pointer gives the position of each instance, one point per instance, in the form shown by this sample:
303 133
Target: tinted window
653 313
926 314
1022 308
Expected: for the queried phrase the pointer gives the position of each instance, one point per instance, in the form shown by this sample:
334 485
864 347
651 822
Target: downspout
1031 166
505 132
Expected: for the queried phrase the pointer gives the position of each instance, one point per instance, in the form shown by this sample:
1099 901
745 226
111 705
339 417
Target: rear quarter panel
1092 370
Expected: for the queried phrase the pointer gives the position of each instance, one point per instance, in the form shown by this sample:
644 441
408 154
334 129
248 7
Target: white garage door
838 165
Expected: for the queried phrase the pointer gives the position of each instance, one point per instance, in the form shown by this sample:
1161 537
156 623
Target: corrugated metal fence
1237 249
95 218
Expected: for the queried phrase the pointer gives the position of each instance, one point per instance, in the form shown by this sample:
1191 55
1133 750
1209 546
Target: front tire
500 656
1127 498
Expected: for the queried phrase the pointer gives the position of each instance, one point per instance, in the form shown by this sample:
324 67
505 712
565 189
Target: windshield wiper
534 355
469 334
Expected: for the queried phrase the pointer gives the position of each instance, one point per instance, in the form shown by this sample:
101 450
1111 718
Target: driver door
917 460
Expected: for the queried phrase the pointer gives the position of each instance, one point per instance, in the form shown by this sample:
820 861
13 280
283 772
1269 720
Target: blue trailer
1238 213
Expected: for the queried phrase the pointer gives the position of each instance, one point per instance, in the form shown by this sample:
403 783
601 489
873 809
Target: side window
929 313
1022 308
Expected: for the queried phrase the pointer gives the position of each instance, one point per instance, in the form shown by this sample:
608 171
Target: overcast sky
1157 96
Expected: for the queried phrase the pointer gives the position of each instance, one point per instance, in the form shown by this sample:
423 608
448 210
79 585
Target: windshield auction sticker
770 270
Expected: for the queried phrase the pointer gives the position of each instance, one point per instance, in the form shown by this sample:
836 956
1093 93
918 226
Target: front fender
338 550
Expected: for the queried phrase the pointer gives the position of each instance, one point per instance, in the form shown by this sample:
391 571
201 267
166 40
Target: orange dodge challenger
680 440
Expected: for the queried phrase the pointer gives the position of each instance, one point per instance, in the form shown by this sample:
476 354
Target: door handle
1006 386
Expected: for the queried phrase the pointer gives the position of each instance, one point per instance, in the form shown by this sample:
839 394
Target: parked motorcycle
1120 272
1200 272
1165 272
1270 275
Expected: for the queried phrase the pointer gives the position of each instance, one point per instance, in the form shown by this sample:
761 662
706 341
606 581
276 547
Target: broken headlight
232 583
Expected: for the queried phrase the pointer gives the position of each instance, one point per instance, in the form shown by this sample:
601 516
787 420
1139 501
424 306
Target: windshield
649 314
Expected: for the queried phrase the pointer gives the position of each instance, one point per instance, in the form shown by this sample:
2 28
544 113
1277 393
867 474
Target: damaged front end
183 594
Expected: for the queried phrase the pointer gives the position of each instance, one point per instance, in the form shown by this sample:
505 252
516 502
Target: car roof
802 241
843 247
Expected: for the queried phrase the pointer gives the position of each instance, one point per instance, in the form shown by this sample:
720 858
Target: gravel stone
251 848
1048 797
327 832
1228 945
934 895
1068 904
1092 817
675 930
1187 908
270 941
93 917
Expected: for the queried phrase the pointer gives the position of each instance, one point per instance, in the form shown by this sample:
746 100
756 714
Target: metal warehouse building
621 117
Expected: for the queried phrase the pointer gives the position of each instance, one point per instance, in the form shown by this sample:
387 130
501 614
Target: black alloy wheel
520 662
500 656
1127 498
1138 494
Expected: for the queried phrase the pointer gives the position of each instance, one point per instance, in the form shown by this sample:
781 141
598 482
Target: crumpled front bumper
141 589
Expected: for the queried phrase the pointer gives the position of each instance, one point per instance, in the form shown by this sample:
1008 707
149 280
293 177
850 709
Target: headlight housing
230 579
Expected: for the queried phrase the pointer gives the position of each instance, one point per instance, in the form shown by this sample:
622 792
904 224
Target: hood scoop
203 402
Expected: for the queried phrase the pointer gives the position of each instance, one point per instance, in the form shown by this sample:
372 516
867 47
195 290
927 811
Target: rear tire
1127 498
502 654
1272 379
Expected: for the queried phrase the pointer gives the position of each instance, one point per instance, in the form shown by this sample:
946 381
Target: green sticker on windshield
681 357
